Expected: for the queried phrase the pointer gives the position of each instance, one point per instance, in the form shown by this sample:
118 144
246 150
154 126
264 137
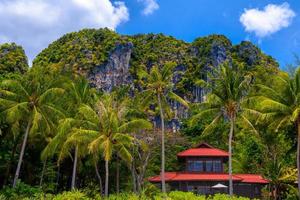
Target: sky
272 25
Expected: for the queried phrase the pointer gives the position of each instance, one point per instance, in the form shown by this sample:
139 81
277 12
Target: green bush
225 197
21 191
34 194
127 196
178 195
72 195
2 197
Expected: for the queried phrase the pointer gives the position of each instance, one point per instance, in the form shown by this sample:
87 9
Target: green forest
69 132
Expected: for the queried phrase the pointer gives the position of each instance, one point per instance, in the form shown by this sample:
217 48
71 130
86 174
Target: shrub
2 197
178 195
128 196
225 197
72 195
21 191
35 194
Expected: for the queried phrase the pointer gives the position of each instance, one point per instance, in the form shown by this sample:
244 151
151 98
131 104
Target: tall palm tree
78 93
229 88
280 106
109 129
31 102
65 142
158 90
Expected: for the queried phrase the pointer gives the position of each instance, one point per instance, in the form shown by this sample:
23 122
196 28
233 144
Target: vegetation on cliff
12 59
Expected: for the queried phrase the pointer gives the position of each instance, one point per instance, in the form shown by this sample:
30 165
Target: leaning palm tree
109 127
280 105
229 88
31 102
158 90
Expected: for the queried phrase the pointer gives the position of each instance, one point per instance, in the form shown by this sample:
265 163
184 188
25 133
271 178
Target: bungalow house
203 173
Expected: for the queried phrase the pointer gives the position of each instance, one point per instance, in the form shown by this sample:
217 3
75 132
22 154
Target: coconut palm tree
78 93
32 102
110 128
229 88
158 90
280 106
64 143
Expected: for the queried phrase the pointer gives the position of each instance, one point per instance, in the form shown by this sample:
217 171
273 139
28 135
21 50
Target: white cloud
36 23
150 6
102 13
267 21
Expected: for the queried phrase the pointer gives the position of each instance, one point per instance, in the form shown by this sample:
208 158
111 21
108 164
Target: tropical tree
110 128
78 93
229 89
159 87
280 106
29 101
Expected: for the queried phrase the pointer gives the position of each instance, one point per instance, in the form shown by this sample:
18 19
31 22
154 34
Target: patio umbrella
219 185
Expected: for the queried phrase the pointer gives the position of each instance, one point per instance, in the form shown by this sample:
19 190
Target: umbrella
219 185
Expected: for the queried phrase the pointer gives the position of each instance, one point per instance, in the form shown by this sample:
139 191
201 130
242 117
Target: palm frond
50 94
177 98
14 85
247 123
88 113
124 154
35 121
134 125
213 124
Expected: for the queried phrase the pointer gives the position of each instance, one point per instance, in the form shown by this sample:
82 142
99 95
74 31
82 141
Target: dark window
217 166
192 188
190 165
209 166
204 190
198 166
195 165
256 190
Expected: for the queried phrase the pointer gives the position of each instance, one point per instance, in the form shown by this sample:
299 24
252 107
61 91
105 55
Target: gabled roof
252 178
204 145
203 150
183 176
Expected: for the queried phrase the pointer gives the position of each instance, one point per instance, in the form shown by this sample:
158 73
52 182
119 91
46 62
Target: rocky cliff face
114 72
110 60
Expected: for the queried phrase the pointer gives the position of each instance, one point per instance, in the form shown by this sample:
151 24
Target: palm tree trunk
117 176
10 162
133 175
106 178
43 171
298 153
275 192
99 178
74 168
230 156
22 154
163 181
57 178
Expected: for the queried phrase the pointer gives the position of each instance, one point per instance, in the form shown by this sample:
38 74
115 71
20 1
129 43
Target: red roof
206 152
182 176
252 178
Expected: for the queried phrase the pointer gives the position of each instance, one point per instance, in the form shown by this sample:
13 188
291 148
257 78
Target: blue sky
273 25
187 20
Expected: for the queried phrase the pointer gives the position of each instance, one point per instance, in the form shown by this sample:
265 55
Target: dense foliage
26 192
12 59
58 133
80 52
